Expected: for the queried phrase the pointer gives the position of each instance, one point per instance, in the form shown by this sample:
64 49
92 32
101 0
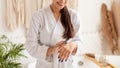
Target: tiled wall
93 43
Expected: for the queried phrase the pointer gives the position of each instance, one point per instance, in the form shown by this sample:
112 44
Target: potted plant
10 53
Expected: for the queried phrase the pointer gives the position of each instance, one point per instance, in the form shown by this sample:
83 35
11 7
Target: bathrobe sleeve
77 38
33 45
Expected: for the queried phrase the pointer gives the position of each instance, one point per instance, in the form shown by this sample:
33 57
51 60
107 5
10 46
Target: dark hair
67 24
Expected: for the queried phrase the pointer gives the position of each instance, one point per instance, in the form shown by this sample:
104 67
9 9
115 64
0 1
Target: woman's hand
53 50
66 50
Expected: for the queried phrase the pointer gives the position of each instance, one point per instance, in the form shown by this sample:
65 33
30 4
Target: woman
53 36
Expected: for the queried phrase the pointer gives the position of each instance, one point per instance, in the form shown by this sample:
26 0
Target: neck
54 9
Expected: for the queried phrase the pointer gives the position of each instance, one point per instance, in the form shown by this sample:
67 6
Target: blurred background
15 16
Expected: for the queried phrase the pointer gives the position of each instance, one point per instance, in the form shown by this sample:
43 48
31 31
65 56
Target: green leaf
10 53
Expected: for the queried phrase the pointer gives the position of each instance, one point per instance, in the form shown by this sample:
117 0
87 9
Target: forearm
49 51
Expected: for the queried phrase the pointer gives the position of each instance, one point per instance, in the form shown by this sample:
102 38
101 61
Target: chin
61 7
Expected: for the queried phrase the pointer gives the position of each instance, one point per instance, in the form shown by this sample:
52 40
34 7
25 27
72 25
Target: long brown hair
67 24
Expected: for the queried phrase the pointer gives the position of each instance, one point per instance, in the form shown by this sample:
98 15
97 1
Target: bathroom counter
82 62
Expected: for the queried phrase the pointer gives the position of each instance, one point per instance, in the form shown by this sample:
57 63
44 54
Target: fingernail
59 60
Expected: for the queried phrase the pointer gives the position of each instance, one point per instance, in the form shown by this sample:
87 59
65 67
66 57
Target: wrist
74 47
49 51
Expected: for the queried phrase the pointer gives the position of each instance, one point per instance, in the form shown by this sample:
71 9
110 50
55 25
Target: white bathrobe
44 32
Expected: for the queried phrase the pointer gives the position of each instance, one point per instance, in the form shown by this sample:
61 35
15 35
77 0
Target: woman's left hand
66 50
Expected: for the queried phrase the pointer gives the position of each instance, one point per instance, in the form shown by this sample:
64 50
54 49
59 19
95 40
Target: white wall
89 11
